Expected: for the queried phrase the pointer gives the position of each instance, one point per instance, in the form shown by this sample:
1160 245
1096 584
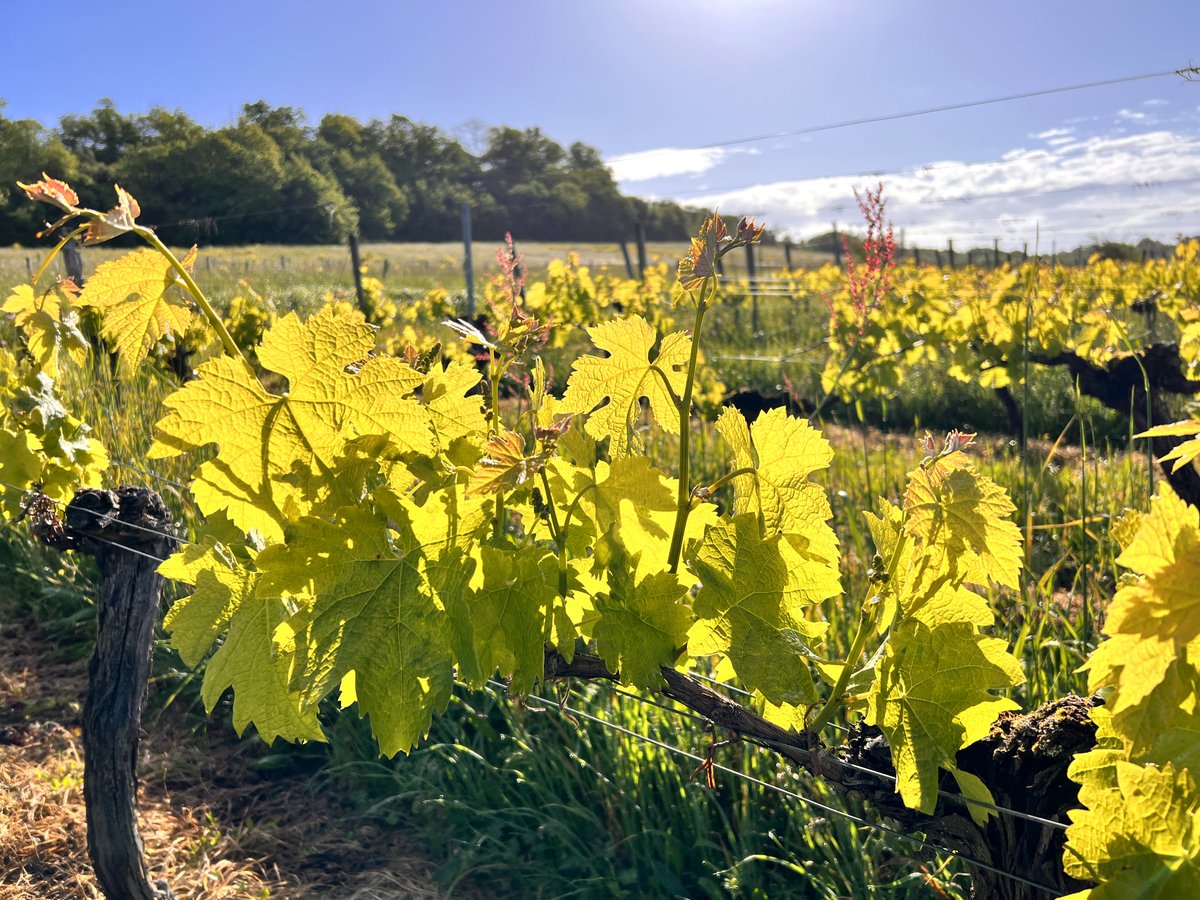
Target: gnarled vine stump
126 531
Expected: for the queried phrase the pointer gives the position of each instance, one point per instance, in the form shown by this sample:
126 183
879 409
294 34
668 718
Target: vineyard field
604 553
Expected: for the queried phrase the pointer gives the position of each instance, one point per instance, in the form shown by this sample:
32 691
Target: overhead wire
1183 72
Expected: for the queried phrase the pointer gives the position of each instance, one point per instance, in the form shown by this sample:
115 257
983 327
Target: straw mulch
213 825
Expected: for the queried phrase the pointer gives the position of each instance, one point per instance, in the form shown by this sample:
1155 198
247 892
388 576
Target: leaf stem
684 505
231 347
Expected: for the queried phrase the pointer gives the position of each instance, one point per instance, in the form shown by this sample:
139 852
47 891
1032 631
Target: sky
671 92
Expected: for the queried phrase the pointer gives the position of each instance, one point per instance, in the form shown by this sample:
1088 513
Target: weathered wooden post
468 264
628 261
356 266
639 231
127 531
750 277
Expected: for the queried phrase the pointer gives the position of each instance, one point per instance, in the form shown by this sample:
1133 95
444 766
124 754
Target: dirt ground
213 824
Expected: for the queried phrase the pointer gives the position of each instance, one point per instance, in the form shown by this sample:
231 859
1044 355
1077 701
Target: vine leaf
1140 832
371 612
643 621
504 465
259 674
511 599
455 413
784 451
221 585
967 517
268 444
752 606
117 221
138 298
51 327
624 377
1183 453
931 698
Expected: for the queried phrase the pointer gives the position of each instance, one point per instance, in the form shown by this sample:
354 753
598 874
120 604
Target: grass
529 800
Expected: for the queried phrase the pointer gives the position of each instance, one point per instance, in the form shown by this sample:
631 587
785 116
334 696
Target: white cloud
665 161
1128 115
1052 133
1122 187
1156 101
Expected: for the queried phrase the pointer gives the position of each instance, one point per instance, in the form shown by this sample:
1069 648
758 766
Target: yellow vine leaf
1185 452
455 413
512 595
1140 832
784 452
932 696
139 299
269 443
51 327
637 503
752 607
372 613
221 584
643 622
967 517
624 377
247 660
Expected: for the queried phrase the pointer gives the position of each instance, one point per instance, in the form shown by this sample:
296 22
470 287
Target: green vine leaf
752 608
932 696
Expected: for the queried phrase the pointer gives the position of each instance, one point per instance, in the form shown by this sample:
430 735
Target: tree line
272 177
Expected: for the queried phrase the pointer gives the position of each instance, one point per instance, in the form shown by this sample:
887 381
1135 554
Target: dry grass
212 825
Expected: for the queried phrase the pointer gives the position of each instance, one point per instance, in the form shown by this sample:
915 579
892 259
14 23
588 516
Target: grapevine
381 525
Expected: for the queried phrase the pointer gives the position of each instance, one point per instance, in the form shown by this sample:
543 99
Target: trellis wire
808 801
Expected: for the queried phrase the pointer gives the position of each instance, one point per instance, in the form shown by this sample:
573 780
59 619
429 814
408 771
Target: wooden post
468 265
628 261
787 254
73 259
916 256
387 264
837 247
356 266
950 251
995 253
750 273
639 231
127 532
938 256
283 263
29 265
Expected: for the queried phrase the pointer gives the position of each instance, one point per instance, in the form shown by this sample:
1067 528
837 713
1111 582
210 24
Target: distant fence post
356 265
787 254
468 266
639 231
1025 252
950 251
73 258
837 247
750 273
628 261
916 256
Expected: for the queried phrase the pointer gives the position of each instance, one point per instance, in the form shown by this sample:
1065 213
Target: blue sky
660 78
